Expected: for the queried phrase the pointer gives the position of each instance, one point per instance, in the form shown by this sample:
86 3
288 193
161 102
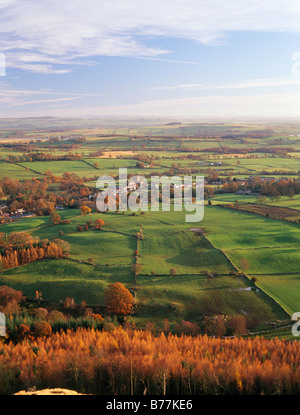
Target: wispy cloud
50 36
42 101
168 60
19 98
250 83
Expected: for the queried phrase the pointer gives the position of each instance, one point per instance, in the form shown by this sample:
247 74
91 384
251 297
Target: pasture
58 279
284 288
190 297
254 244
100 257
184 252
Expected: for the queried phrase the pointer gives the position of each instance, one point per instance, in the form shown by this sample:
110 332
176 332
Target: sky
154 58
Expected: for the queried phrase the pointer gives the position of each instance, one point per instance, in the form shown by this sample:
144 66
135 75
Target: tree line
35 195
21 248
125 361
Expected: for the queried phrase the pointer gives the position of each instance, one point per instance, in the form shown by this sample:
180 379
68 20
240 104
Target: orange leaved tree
118 299
99 223
85 210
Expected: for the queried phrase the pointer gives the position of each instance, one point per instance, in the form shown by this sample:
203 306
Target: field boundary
263 247
89 164
249 279
220 250
23 167
280 305
235 207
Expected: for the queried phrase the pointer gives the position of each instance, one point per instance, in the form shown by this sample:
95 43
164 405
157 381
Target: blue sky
181 58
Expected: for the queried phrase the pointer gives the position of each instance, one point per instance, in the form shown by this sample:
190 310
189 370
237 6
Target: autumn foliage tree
23 331
214 325
63 245
54 218
187 328
116 361
99 223
118 299
10 299
238 325
69 303
85 210
42 328
20 238
19 255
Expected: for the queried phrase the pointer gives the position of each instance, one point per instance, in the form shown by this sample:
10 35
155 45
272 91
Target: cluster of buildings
209 163
15 214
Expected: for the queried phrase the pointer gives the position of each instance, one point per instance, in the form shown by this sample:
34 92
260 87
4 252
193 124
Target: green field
230 229
14 171
185 252
268 260
59 167
58 279
190 297
168 243
230 240
103 247
284 288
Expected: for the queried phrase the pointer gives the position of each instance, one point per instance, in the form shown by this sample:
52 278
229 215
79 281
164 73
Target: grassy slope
187 253
180 297
270 247
58 279
191 297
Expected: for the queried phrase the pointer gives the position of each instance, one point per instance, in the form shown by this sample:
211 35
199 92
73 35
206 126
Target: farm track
277 273
136 261
119 232
283 219
163 234
45 226
249 170
266 206
93 265
262 247
258 333
184 275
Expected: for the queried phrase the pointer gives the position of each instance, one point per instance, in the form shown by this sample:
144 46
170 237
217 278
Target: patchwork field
100 257
58 279
274 212
184 252
231 229
283 288
262 247
172 277
192 296
15 172
267 260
